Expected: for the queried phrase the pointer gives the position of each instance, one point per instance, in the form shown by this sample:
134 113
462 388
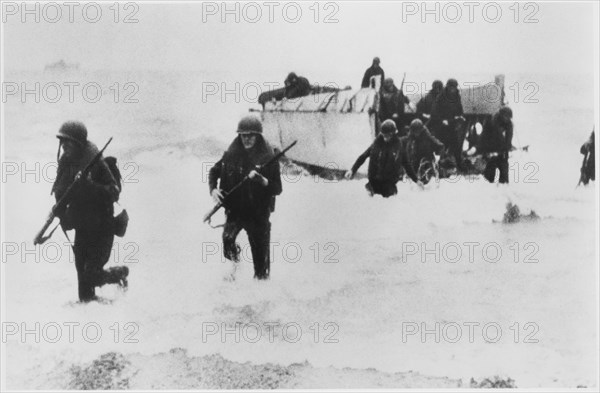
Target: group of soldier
91 192
438 128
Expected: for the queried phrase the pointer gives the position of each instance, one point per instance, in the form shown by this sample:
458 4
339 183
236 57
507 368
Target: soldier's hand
445 122
217 195
349 175
420 184
395 116
257 177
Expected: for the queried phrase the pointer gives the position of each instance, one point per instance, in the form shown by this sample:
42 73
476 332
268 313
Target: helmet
452 82
74 131
249 124
506 111
416 124
291 77
388 127
437 85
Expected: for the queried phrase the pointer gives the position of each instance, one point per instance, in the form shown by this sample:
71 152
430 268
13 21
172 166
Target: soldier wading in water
386 159
249 206
89 209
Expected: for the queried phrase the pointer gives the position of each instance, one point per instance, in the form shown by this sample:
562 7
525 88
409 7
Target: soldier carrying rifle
85 189
247 194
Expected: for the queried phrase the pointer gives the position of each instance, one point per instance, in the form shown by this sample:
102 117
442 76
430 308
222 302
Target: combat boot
118 275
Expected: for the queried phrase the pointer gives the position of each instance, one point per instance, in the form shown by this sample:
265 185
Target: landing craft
333 126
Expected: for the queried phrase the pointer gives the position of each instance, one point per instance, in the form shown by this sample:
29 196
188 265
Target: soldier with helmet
495 143
386 159
420 147
89 209
248 207
447 120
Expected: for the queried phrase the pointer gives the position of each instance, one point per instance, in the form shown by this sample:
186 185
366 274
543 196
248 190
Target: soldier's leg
259 236
388 190
490 169
503 167
369 188
81 248
97 256
231 229
374 187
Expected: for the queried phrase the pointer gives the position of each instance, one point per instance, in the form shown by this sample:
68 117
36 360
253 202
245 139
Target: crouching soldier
386 159
495 144
420 146
89 209
249 206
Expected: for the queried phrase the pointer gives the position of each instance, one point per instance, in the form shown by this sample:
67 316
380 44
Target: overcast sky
175 37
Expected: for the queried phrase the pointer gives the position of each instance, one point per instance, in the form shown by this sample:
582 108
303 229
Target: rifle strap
66 235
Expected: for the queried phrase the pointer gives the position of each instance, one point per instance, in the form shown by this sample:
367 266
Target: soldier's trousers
92 251
385 189
258 230
500 163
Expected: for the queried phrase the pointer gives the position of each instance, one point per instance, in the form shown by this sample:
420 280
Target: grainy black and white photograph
291 195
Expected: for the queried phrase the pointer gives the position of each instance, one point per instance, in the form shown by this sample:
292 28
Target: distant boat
334 127
61 65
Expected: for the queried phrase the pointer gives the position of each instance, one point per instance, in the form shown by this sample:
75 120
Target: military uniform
88 210
495 143
248 207
386 160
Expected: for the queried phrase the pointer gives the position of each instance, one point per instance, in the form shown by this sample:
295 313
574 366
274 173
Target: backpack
111 163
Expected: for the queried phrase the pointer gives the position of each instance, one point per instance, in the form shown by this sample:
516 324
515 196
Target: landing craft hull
327 140
334 128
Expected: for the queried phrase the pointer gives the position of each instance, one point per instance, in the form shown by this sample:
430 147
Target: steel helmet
388 127
249 124
74 131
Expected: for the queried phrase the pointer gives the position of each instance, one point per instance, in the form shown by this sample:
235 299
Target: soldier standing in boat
426 103
373 71
495 144
447 119
391 104
89 210
250 206
386 159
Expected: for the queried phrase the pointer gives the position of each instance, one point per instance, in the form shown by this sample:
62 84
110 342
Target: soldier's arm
361 160
437 144
461 112
509 137
365 80
213 175
274 178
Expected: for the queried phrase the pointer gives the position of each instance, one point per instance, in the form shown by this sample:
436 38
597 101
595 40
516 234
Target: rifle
39 238
219 205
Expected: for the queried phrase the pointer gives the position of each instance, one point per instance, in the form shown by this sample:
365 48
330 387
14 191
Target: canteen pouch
120 223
